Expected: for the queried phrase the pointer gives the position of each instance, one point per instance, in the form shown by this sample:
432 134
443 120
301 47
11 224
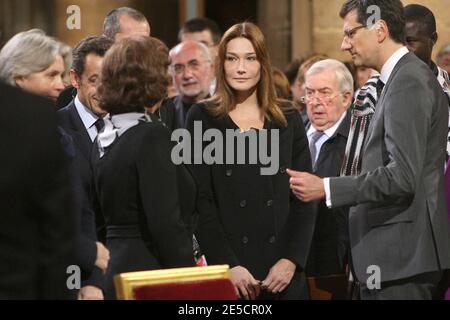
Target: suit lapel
379 108
79 132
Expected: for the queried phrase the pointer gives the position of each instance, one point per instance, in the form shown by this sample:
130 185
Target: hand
305 186
102 257
90 293
279 277
245 285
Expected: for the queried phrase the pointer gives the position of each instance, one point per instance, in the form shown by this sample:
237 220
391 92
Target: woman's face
242 68
47 83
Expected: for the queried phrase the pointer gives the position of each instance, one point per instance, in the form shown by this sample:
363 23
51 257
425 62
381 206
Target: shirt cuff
326 186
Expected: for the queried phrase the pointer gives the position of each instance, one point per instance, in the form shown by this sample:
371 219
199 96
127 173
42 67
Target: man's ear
75 79
347 98
381 30
434 37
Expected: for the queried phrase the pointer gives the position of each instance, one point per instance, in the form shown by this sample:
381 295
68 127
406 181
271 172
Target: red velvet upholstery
218 289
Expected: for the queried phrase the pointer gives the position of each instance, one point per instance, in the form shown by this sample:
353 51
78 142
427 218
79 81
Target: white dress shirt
88 118
385 74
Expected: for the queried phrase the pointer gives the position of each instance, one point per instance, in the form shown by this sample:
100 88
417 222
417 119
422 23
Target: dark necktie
312 146
380 86
99 124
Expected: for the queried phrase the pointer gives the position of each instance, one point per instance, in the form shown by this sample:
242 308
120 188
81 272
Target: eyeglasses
324 97
193 65
349 34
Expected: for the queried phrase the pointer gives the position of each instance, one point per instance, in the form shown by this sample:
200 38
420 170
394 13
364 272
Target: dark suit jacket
173 112
399 219
137 185
70 121
330 242
36 203
250 219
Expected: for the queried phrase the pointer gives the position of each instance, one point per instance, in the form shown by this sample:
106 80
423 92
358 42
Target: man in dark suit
82 119
329 92
36 205
191 70
119 24
399 231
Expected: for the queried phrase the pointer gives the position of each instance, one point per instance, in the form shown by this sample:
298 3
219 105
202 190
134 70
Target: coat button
270 203
272 239
243 204
282 170
244 240
229 172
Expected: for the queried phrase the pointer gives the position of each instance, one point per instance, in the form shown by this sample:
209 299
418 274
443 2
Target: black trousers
421 287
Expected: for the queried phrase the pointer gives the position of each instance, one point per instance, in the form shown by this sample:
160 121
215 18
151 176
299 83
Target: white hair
199 45
29 52
343 76
445 49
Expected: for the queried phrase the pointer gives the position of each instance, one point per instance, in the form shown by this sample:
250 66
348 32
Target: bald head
191 45
191 70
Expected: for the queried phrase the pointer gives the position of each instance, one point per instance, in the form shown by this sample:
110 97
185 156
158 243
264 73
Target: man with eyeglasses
191 69
398 227
328 94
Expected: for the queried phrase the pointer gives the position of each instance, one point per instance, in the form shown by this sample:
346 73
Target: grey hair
445 49
111 24
343 76
66 53
200 46
28 52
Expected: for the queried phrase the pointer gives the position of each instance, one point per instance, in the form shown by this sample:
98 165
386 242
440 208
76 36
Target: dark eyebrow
247 54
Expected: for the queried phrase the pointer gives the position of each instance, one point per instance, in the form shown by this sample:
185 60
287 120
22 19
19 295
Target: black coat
329 248
253 220
137 185
70 121
36 204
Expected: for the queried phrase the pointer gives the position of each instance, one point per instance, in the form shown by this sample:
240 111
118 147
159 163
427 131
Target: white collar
390 64
331 130
117 125
87 116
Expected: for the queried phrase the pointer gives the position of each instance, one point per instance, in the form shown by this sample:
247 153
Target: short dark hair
96 44
421 15
391 12
199 25
134 75
111 24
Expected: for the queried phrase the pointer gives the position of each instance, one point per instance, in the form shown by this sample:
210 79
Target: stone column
302 27
274 18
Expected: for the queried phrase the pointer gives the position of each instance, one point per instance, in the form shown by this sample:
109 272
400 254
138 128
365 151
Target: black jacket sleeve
158 191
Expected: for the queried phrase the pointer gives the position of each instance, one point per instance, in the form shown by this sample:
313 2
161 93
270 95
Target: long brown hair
224 99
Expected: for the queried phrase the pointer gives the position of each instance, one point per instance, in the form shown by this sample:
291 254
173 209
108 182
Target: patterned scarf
362 112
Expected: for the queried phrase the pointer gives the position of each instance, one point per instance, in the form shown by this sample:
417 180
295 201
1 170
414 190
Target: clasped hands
248 288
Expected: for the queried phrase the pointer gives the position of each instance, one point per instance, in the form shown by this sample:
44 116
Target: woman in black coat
136 180
248 216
